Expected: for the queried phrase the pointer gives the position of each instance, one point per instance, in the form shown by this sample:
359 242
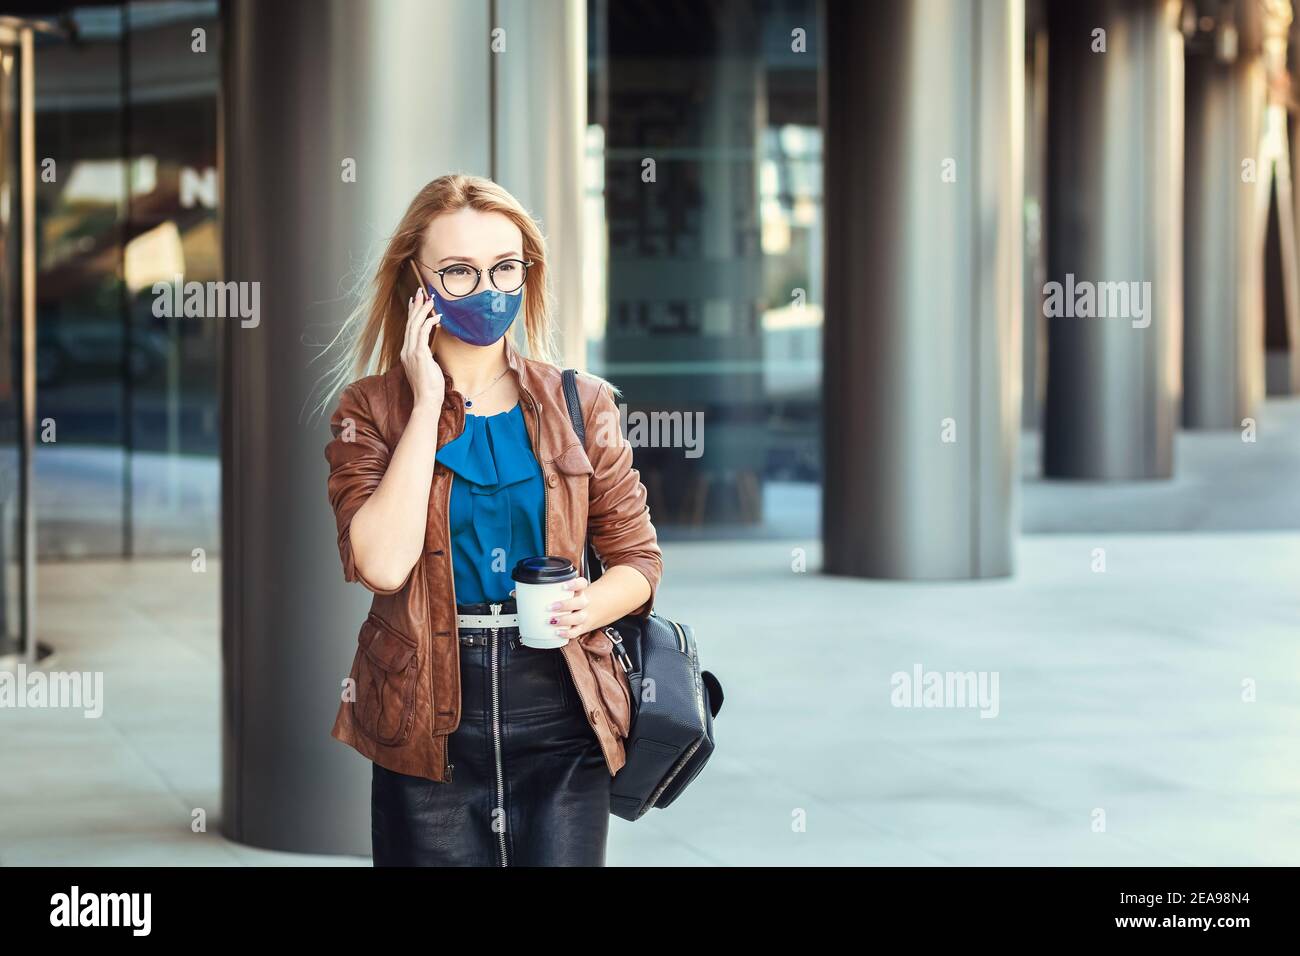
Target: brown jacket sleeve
618 518
358 457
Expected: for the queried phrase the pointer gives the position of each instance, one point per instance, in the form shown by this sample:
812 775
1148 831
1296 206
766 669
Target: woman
451 464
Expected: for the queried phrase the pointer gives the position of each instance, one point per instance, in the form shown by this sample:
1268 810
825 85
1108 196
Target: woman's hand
592 606
569 617
422 371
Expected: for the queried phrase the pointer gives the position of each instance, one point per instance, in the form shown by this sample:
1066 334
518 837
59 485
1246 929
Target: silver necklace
469 401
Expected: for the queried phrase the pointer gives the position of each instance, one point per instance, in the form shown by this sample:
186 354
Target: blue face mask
479 319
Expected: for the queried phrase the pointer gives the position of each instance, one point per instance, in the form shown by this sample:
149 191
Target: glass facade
704 177
704 163
127 454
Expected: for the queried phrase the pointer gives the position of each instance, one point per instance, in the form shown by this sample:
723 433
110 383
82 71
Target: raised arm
381 498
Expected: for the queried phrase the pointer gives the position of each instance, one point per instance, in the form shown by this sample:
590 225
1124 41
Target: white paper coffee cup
539 583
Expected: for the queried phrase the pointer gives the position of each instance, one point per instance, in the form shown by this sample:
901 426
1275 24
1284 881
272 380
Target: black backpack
673 701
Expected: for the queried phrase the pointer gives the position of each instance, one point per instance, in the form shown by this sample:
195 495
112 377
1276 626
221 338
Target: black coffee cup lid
543 570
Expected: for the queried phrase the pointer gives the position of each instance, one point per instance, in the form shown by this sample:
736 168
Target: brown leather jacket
406 672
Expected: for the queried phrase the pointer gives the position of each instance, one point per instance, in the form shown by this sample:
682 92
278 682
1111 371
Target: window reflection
127 114
710 195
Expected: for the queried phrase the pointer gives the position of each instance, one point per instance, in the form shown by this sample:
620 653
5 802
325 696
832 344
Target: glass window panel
710 194
128 117
80 460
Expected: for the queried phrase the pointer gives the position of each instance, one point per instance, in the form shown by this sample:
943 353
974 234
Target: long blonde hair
371 337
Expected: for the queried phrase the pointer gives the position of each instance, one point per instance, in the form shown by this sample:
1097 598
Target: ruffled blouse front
497 504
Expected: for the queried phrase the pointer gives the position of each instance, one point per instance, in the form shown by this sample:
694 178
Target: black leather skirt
529 785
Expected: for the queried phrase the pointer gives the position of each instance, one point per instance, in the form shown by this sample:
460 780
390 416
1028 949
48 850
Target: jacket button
552 480
595 716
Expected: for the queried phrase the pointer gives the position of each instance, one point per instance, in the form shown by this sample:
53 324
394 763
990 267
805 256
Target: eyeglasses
460 279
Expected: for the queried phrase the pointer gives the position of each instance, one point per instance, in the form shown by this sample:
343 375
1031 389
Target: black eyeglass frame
478 276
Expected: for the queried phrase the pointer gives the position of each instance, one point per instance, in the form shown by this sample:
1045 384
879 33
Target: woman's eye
506 268
457 272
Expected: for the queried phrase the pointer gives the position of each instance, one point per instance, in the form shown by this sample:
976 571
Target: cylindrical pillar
1282 267
1227 193
335 115
1282 276
922 351
1034 335
539 148
1114 295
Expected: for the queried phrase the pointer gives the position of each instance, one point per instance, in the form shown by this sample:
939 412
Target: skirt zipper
496 735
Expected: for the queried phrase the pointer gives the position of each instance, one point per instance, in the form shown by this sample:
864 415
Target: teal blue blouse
497 504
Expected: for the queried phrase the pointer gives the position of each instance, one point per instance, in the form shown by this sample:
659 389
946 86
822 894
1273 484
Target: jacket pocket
573 461
387 668
611 681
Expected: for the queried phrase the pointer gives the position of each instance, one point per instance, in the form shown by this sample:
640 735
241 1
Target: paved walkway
1118 693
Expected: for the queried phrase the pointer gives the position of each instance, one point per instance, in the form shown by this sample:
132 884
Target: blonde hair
370 339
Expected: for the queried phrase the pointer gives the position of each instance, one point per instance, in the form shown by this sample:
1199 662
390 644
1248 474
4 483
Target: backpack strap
574 403
592 567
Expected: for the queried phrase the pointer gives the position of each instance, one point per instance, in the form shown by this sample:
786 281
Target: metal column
1228 183
399 88
1282 269
922 353
19 271
1115 172
1034 333
540 142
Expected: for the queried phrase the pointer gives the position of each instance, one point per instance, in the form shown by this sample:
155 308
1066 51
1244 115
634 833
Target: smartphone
419 283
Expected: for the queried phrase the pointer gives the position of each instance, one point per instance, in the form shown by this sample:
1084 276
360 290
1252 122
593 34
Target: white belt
487 620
